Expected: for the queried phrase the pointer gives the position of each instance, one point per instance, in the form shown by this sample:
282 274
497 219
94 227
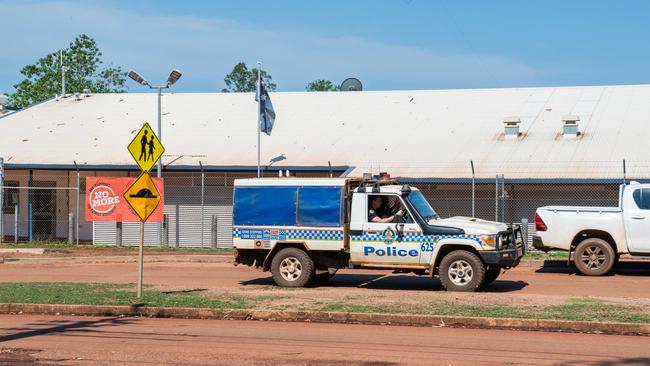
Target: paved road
631 280
138 341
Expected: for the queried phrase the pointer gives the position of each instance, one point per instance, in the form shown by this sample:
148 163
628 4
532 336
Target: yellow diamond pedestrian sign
146 148
143 196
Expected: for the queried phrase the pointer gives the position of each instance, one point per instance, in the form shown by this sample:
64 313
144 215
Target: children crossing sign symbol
146 148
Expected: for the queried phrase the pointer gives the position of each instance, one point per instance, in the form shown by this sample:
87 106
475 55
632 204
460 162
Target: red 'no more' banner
104 201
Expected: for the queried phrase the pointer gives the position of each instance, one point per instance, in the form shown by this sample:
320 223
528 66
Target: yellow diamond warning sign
146 148
143 196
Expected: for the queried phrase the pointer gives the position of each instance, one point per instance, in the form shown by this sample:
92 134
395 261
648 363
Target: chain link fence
49 205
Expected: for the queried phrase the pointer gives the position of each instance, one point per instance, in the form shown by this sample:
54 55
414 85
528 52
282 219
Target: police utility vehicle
306 229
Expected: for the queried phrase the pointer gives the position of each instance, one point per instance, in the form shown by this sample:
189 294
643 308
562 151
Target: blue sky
399 44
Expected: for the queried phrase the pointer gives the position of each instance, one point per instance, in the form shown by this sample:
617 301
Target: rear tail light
539 223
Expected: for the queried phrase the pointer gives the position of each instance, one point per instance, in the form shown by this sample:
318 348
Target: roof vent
77 97
511 127
570 126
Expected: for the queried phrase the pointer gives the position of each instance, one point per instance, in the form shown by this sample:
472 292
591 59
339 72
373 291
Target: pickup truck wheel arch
592 233
448 248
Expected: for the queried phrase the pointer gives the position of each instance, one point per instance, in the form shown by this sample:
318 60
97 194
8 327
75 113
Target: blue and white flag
266 112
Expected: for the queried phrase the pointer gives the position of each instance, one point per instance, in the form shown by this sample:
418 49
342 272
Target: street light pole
159 168
173 77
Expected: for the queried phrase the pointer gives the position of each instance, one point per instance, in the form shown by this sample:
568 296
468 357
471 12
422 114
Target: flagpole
259 114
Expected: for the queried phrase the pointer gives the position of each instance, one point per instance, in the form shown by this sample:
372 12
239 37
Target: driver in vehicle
378 211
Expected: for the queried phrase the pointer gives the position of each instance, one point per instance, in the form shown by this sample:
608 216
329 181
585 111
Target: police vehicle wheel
463 271
491 274
292 267
594 257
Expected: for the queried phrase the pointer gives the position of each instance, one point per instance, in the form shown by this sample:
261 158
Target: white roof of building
420 134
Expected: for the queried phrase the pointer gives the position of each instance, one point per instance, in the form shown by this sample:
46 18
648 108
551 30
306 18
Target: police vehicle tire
462 271
594 257
491 274
292 267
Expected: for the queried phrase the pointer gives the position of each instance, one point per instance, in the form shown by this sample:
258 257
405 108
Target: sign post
142 195
140 260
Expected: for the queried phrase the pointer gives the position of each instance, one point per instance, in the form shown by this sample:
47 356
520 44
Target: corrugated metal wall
185 229
104 233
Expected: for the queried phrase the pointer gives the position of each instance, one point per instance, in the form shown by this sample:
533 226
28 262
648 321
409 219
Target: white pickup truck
598 236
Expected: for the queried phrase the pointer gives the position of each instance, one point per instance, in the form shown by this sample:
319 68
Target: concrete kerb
332 317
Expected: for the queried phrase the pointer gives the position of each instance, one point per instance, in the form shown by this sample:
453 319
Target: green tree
241 79
322 85
84 70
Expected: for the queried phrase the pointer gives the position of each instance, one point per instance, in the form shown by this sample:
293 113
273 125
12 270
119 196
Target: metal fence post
504 196
496 198
2 196
16 231
202 200
30 207
78 205
524 232
214 230
177 227
166 230
118 234
70 227
473 190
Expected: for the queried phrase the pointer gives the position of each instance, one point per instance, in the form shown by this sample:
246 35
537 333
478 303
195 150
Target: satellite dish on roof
351 84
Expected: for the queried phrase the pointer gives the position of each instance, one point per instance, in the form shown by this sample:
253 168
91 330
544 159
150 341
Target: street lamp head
173 77
278 158
137 78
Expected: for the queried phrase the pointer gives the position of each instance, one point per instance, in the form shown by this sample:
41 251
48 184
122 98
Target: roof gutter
172 168
521 181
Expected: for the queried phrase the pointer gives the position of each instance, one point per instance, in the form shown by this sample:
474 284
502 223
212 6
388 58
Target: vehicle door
636 213
387 243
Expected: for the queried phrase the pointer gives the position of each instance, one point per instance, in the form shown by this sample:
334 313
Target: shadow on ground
621 269
56 326
628 361
392 282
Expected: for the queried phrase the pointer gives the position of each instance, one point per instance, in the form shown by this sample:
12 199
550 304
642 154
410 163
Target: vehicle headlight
488 240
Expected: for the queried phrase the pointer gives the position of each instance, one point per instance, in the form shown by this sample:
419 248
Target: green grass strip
108 294
583 309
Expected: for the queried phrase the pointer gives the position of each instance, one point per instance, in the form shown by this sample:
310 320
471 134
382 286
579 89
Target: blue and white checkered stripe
413 237
366 236
301 234
315 234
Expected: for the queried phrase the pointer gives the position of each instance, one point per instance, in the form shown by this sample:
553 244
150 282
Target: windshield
421 205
